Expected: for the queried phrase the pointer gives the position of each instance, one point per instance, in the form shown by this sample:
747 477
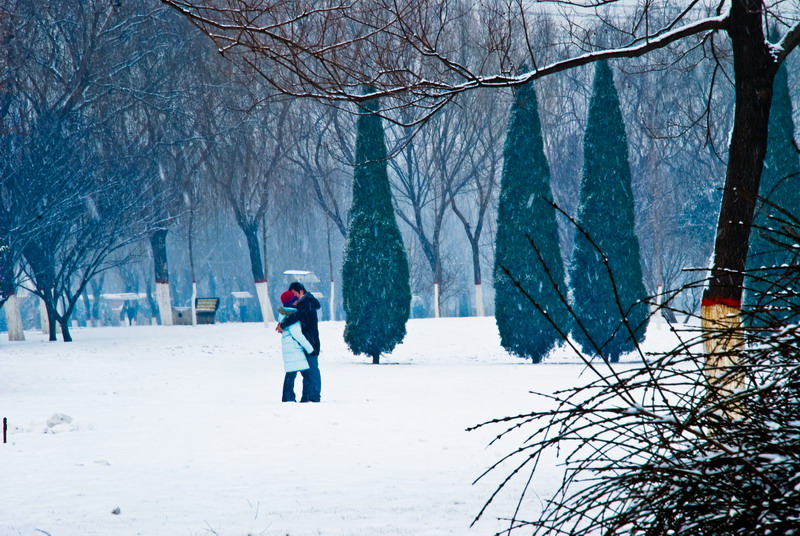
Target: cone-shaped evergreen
606 212
524 209
375 278
780 186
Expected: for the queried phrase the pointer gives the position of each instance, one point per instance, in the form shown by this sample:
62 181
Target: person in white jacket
294 345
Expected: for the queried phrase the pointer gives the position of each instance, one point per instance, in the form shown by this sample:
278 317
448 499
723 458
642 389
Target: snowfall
180 431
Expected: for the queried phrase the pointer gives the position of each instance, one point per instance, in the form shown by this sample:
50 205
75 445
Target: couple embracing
300 342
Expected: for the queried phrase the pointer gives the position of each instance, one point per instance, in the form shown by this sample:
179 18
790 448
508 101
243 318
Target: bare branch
789 42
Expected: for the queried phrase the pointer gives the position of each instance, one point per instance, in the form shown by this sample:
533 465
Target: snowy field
180 431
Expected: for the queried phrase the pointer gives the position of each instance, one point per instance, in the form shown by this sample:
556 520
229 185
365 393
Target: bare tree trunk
332 296
14 318
43 320
476 272
48 319
270 316
65 334
262 289
44 280
754 69
262 285
158 242
9 301
191 266
437 295
479 309
97 288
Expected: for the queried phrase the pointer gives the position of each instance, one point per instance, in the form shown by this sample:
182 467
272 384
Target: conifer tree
769 265
375 276
606 213
525 211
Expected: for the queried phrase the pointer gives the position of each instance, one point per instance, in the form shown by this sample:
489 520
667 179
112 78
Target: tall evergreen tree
606 213
375 276
780 188
525 211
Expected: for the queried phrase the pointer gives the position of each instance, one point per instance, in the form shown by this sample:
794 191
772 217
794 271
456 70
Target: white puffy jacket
293 342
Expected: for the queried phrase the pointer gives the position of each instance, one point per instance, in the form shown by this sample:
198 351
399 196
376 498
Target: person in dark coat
294 346
130 310
307 307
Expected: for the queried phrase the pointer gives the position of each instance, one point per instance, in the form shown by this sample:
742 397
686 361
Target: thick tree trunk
262 289
437 277
9 300
13 319
48 320
253 248
476 272
164 302
65 334
262 286
158 242
754 70
479 310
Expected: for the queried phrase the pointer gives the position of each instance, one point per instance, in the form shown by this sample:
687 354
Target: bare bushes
673 445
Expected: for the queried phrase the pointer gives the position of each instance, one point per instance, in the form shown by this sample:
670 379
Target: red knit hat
288 297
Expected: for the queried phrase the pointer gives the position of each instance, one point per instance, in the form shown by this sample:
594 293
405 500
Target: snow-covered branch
789 42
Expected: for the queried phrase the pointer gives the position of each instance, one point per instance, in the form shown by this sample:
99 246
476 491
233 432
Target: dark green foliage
606 213
375 277
525 209
768 290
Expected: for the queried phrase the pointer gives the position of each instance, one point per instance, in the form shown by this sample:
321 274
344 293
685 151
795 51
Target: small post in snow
5 429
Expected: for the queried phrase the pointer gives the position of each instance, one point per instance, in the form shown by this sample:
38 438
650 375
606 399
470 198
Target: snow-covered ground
180 431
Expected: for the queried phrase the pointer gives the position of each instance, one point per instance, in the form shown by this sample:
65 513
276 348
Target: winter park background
490 201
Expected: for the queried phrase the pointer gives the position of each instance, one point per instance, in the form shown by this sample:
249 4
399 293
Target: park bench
206 309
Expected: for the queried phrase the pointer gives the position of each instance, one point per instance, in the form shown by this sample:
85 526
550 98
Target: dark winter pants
312 381
288 387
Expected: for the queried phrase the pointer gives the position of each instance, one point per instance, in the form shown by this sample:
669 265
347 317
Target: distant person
307 306
293 345
131 308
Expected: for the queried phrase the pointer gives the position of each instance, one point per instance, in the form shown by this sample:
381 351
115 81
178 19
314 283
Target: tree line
125 133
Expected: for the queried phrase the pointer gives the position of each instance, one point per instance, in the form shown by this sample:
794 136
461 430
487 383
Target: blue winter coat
293 344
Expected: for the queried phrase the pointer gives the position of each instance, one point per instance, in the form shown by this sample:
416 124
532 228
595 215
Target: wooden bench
206 309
